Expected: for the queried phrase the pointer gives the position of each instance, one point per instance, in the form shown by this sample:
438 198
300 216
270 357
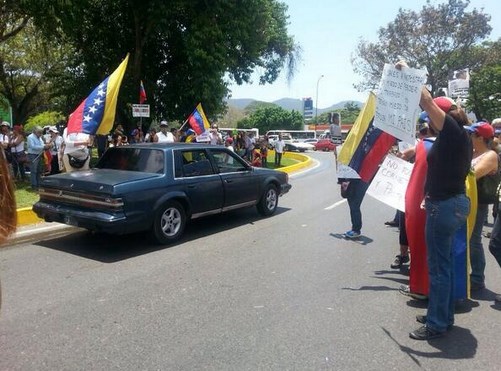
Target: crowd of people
449 150
51 150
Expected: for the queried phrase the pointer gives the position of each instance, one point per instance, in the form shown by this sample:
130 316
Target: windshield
133 159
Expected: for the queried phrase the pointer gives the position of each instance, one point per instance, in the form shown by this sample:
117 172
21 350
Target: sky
328 32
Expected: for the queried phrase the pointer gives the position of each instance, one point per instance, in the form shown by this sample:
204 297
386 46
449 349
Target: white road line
335 205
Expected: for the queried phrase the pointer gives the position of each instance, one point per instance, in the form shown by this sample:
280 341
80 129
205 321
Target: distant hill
289 104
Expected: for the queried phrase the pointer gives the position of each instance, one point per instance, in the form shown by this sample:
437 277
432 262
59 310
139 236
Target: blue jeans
443 219
477 255
356 195
35 172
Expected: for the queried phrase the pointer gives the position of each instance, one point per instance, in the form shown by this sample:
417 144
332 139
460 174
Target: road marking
335 205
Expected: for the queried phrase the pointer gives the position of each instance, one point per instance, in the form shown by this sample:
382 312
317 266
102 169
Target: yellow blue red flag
96 113
365 146
198 121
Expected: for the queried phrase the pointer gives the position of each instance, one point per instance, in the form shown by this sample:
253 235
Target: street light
316 103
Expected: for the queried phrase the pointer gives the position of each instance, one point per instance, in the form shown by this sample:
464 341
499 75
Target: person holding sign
446 205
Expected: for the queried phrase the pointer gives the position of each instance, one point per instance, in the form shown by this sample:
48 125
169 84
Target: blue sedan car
158 187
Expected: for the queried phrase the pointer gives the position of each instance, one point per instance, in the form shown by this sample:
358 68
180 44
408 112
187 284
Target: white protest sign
397 102
390 182
346 172
140 110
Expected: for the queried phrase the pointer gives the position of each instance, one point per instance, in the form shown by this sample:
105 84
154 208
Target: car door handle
192 186
228 181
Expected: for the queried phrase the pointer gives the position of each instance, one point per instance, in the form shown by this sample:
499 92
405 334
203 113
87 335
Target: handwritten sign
390 182
397 102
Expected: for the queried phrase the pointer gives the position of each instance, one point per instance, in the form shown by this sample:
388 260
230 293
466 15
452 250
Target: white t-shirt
279 145
165 138
79 151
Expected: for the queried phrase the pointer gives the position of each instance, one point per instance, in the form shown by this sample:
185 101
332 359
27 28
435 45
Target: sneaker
422 319
391 223
352 234
399 260
425 333
405 290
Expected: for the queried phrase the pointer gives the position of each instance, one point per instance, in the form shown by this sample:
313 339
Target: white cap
5 123
53 129
164 123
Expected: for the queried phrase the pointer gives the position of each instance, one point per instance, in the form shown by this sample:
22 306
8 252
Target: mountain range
289 104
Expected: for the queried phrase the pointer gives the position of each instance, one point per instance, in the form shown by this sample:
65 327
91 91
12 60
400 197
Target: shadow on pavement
459 343
370 288
112 248
362 240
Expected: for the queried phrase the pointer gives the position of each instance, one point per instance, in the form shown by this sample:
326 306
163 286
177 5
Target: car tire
169 222
269 201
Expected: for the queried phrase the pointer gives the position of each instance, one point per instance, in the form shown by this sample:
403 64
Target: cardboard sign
390 183
397 102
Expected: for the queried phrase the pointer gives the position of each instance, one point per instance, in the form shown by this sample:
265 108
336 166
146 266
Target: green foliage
43 119
28 62
440 38
348 114
272 117
184 50
485 93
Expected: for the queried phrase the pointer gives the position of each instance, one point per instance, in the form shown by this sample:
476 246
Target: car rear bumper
114 223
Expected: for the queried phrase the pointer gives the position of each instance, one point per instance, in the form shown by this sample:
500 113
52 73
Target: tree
485 93
27 63
439 38
184 50
272 118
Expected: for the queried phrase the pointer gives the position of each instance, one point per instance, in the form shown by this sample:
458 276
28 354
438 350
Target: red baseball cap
482 129
444 103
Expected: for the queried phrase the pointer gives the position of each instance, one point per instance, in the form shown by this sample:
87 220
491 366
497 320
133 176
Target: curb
26 216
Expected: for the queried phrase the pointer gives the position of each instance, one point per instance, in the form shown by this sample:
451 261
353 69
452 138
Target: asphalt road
237 293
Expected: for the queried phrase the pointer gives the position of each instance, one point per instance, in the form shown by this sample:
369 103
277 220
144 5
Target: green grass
25 196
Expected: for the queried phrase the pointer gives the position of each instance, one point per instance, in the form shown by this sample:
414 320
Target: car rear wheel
169 223
269 201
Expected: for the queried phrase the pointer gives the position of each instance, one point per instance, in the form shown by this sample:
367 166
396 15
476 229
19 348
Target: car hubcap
271 199
171 222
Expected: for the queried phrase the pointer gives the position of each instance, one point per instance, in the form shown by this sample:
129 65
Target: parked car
311 141
299 146
325 145
158 187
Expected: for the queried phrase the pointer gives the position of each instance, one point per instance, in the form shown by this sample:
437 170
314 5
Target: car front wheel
269 201
169 223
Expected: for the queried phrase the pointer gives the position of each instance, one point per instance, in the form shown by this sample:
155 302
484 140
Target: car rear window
133 159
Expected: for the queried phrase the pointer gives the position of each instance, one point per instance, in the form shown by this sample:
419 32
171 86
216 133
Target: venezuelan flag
198 121
96 113
365 146
142 93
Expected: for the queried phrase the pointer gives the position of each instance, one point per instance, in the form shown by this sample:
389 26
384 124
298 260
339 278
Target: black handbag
75 162
487 188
